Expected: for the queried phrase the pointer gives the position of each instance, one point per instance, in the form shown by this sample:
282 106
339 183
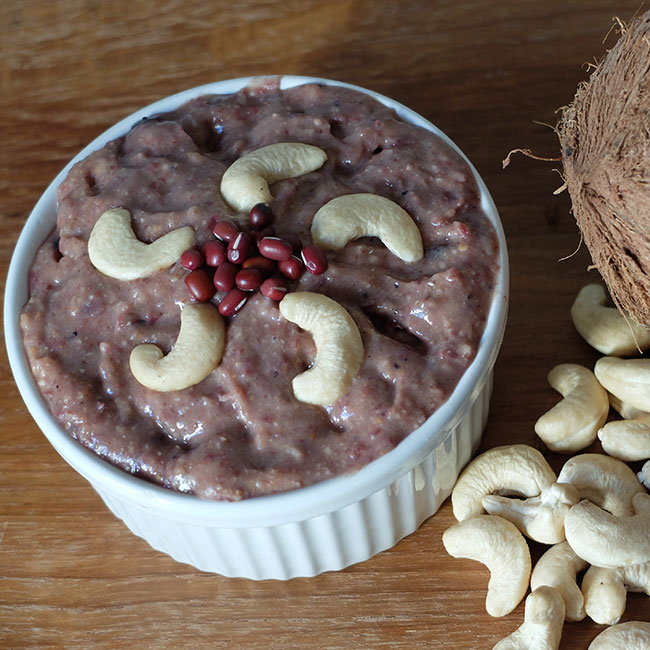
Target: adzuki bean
238 247
232 302
291 268
249 279
274 289
199 284
214 252
264 264
275 248
225 230
224 276
314 259
192 259
260 215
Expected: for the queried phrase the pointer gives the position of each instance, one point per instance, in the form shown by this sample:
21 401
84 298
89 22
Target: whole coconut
605 139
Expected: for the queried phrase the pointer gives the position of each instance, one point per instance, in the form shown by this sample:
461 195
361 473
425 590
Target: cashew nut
558 568
502 548
625 410
540 518
605 328
246 182
605 540
339 348
644 475
367 215
508 470
543 623
628 440
628 379
114 250
603 480
573 423
605 590
631 635
196 353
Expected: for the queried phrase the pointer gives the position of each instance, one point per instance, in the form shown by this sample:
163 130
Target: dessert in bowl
238 469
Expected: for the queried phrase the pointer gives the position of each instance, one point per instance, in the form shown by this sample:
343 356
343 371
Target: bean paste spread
241 432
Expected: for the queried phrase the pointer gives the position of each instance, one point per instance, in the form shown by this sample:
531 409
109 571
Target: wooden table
490 74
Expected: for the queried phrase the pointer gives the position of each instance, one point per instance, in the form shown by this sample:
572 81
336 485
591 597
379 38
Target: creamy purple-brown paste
241 432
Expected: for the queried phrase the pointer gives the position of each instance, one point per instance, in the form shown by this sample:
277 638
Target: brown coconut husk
605 140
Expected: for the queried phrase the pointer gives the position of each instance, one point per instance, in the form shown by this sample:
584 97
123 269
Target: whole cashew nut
631 635
196 353
604 540
628 440
339 348
628 379
573 423
367 215
605 590
605 328
511 469
603 480
540 518
246 182
114 250
498 544
558 568
543 623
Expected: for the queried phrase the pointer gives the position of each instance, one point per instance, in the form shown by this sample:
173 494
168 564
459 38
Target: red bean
264 264
200 285
225 230
224 276
291 268
249 279
232 302
275 248
260 215
192 259
274 288
238 247
314 259
214 252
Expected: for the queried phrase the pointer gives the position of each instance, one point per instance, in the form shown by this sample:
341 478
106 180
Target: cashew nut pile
622 383
594 515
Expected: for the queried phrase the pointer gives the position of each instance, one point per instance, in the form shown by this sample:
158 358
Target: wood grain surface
492 75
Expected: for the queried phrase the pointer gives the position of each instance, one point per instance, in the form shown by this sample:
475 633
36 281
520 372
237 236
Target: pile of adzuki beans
238 262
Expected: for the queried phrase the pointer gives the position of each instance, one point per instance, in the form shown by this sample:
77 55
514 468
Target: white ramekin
319 528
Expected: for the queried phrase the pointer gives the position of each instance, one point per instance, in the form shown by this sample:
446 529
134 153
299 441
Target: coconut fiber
605 140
